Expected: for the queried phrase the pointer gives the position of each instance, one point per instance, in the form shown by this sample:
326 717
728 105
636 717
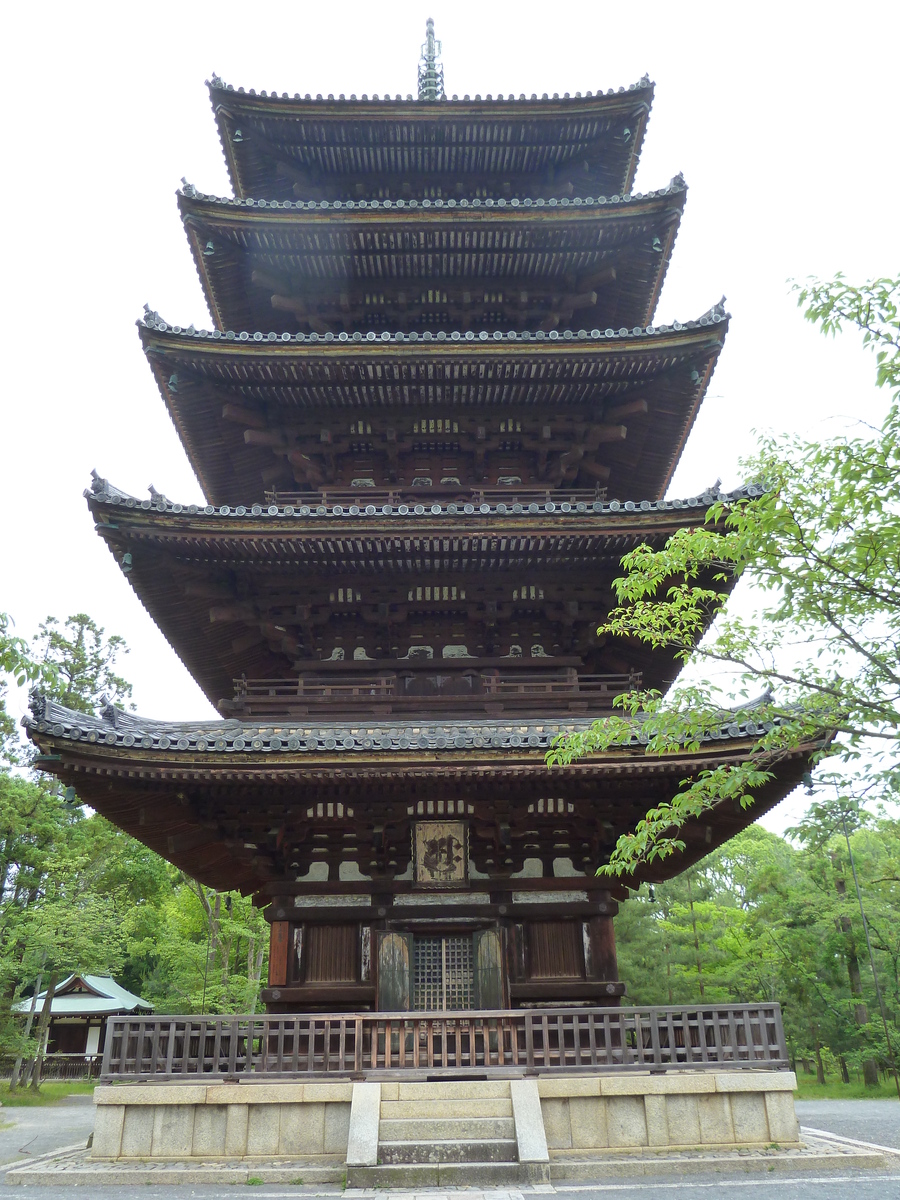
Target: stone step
464 1128
448 1150
444 1174
456 1089
425 1109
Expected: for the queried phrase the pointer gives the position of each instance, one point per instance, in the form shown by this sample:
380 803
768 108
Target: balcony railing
439 691
510 1042
395 496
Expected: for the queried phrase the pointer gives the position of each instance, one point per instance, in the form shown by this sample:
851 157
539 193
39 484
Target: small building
78 1015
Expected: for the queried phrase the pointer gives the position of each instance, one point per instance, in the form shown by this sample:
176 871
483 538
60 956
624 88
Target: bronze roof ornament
431 70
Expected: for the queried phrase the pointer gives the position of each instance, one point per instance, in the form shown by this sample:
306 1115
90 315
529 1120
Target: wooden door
488 969
394 955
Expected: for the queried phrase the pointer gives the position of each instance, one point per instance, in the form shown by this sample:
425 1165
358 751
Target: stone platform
482 1133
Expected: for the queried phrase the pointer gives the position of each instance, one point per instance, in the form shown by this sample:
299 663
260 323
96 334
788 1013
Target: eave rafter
309 412
576 174
464 304
558 446
276 144
420 268
276 594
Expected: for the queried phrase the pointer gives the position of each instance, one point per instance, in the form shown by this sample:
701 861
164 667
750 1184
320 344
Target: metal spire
431 71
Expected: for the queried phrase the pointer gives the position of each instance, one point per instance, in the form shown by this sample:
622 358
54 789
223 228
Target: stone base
223 1121
556 1118
681 1110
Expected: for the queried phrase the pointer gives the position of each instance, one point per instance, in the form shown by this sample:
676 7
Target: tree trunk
696 938
860 1008
17 1068
212 930
255 974
820 1066
43 1026
845 1073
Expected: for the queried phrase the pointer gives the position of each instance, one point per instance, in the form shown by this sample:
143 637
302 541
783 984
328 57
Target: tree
16 662
76 893
817 539
203 950
81 660
57 885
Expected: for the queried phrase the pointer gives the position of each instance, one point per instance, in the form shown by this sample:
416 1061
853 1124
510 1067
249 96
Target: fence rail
509 494
531 1040
466 691
59 1066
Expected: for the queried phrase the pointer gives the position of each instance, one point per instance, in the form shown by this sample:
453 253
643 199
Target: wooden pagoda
431 416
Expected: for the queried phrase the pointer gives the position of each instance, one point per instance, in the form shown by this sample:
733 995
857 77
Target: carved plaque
441 853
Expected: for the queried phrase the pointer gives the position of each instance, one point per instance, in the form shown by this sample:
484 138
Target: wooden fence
489 1042
376 497
466 691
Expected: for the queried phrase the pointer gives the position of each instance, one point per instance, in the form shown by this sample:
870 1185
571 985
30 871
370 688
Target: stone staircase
449 1134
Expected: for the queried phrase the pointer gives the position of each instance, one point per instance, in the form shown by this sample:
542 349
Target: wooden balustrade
511 1042
379 496
464 690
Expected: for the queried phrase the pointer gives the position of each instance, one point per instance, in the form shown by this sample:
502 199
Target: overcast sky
782 117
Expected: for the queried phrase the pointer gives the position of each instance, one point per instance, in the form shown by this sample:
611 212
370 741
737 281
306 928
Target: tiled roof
715 316
676 186
114 727
643 85
103 492
106 996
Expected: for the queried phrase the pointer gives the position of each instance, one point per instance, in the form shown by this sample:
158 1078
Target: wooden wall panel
555 950
332 954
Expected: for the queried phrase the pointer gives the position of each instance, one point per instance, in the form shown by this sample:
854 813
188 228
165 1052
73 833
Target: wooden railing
515 1041
395 496
59 1066
460 690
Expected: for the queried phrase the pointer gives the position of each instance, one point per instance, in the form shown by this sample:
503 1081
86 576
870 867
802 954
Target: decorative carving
456 652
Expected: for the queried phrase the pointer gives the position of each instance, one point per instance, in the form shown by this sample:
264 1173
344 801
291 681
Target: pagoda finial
431 71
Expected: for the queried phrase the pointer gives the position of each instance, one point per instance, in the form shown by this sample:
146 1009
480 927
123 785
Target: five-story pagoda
431 416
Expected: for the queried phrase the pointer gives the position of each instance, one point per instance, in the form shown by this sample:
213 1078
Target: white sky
783 118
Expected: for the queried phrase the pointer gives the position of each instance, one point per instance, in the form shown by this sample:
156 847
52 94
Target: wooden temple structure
431 415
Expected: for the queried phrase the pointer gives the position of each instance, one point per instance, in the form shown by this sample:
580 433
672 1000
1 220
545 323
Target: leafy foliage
818 552
78 894
766 919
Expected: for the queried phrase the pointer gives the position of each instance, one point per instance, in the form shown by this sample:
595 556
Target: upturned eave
157 781
272 141
335 377
256 259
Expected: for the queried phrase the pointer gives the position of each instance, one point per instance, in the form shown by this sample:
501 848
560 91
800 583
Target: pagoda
431 415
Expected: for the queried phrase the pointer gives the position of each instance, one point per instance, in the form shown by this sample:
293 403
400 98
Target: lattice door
443 974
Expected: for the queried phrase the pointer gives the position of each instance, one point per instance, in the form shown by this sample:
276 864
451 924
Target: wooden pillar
602 940
279 937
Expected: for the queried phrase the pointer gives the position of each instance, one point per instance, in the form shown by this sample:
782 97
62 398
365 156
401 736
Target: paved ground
871 1185
868 1120
39 1130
